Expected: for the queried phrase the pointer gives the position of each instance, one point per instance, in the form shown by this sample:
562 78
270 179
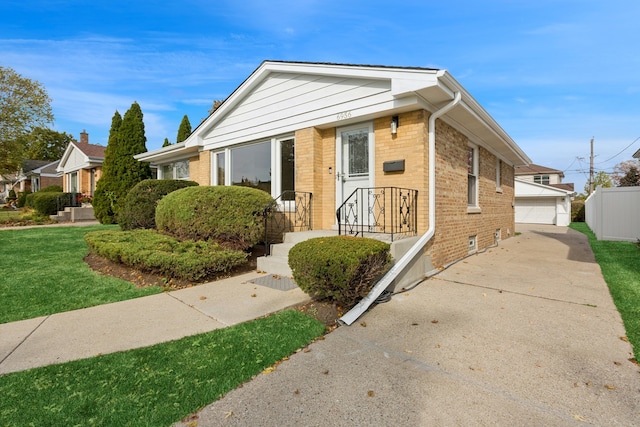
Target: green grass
43 272
620 265
153 386
9 216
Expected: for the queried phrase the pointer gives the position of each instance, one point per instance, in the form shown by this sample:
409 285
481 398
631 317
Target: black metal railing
290 211
66 200
388 210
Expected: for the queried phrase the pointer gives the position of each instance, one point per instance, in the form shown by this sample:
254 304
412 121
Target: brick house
330 129
81 166
33 176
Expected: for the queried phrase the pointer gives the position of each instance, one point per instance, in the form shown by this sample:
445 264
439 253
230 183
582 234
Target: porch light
394 125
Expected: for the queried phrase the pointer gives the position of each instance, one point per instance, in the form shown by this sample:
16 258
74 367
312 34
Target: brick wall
315 154
200 168
454 224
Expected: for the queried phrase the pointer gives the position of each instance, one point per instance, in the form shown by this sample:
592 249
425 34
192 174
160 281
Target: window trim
275 151
473 206
540 178
161 172
498 176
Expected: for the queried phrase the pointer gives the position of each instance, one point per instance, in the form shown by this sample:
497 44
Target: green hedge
22 198
150 251
52 189
341 269
139 207
231 216
48 203
45 203
577 211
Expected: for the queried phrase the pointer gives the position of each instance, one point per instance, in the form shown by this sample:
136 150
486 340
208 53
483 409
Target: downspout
353 314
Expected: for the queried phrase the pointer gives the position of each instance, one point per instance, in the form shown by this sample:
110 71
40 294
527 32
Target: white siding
76 161
285 102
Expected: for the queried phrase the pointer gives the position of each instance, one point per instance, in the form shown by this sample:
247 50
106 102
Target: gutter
353 314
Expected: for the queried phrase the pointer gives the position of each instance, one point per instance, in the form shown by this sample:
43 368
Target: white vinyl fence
614 213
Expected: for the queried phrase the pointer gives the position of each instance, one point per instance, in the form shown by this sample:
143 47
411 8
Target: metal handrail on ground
387 210
289 212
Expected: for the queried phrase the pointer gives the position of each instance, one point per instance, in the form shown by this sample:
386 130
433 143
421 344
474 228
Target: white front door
354 160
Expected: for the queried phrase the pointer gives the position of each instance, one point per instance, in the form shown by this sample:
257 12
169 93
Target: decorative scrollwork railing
388 210
290 211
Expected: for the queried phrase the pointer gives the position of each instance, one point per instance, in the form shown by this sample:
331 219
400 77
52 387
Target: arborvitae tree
131 141
166 142
184 130
120 170
104 196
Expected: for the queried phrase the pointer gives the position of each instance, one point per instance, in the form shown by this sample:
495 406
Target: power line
611 158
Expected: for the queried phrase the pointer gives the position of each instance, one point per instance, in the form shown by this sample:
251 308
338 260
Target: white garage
541 204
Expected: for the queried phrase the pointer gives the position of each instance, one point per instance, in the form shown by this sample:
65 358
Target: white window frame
161 173
275 150
539 179
70 183
498 176
214 169
473 205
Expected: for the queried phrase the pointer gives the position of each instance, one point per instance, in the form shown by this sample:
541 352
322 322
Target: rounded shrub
231 216
139 207
22 198
44 203
340 269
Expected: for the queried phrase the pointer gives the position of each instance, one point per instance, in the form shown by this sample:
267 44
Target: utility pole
591 169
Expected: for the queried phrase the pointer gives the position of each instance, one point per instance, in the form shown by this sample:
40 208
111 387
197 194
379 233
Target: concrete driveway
525 333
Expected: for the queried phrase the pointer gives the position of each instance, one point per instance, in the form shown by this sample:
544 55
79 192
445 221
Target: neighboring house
541 196
29 178
329 129
81 166
45 176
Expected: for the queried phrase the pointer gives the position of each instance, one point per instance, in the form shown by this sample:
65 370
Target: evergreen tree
121 171
184 130
103 198
131 141
166 143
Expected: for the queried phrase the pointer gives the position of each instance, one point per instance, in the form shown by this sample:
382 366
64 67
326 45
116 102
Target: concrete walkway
523 334
139 322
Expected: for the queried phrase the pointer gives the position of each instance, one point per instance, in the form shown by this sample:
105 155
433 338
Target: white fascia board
474 108
167 154
533 189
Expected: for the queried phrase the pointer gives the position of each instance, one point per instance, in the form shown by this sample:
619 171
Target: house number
343 116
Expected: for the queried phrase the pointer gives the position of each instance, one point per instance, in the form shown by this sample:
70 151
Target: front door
354 160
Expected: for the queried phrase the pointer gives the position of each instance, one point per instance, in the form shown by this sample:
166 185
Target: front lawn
620 265
153 386
43 273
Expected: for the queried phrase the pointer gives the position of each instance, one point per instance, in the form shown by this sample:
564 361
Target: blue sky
553 73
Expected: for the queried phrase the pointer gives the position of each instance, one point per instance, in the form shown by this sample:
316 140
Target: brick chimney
84 137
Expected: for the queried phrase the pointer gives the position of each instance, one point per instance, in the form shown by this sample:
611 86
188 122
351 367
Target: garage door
536 210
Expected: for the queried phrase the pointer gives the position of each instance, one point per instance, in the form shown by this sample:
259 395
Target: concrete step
301 236
281 249
275 265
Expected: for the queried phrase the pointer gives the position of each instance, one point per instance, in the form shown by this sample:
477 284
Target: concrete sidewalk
138 322
523 334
